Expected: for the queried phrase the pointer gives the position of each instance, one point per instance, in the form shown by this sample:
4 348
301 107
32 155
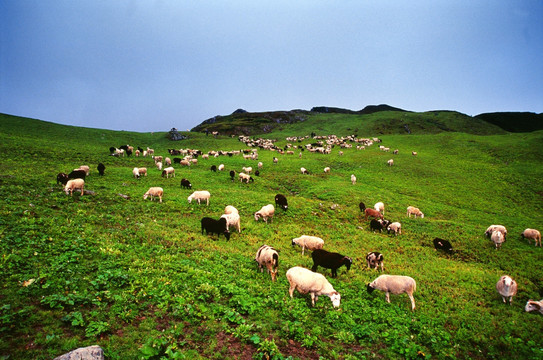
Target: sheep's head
227 234
257 216
189 199
369 288
273 273
335 298
532 306
348 262
145 196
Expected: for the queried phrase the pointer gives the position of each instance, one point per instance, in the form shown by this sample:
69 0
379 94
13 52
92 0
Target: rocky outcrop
93 352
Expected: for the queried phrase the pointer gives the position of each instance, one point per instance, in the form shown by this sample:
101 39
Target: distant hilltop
248 123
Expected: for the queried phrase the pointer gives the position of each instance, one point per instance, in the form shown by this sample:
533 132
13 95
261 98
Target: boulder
93 352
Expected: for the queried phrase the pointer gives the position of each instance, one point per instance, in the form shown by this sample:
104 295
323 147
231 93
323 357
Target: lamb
532 234
390 162
411 210
245 177
268 257
154 191
493 228
62 178
168 171
532 305
375 259
353 179
395 227
498 238
304 171
101 168
440 244
186 184
232 218
281 201
372 213
199 196
380 207
308 242
507 288
266 212
395 284
212 226
307 281
330 260
136 173
73 184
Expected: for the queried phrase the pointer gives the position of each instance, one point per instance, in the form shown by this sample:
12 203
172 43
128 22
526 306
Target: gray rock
93 352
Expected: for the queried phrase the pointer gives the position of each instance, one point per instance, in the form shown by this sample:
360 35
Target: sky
153 65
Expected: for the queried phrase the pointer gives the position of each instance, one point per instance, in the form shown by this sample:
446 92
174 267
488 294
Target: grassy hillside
139 279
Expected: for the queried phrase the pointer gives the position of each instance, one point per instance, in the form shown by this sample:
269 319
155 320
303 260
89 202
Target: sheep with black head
281 201
212 226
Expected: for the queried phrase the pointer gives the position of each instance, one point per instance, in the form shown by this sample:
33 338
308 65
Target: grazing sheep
372 213
77 174
167 161
327 169
307 281
212 226
245 177
266 212
232 218
85 168
411 210
186 184
375 259
308 242
221 167
275 160
498 238
154 191
507 288
414 153
260 164
199 196
304 171
168 171
396 227
362 206
281 201
395 284
214 168
184 162
268 257
440 244
353 179
493 228
62 178
101 168
330 260
136 173
396 151
532 305
247 169
232 174
380 207
390 162
377 225
257 173
159 165
142 171
532 234
73 184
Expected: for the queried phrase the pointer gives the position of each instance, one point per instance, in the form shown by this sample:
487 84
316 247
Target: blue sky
153 65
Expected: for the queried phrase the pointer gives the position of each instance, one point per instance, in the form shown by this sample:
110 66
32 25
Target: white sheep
390 162
85 168
327 169
308 242
380 207
260 164
532 305
199 196
507 288
353 179
154 191
396 227
73 184
499 228
268 257
415 211
304 171
532 234
136 172
247 169
159 165
307 281
232 217
245 177
266 212
142 171
168 171
395 284
184 162
229 209
221 167
498 238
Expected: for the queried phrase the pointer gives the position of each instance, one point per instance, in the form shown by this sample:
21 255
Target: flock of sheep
301 279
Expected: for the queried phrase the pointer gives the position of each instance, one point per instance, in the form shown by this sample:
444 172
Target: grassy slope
138 278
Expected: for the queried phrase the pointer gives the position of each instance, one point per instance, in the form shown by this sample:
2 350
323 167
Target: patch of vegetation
139 279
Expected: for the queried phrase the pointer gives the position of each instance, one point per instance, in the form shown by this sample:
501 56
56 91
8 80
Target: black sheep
101 168
212 226
77 174
62 178
186 184
214 168
257 173
232 174
444 245
330 260
378 224
176 160
281 201
362 206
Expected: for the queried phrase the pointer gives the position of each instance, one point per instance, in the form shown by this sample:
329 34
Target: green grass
139 279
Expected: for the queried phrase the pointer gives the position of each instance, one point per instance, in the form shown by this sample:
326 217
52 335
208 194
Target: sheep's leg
291 290
313 299
412 301
387 296
160 197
